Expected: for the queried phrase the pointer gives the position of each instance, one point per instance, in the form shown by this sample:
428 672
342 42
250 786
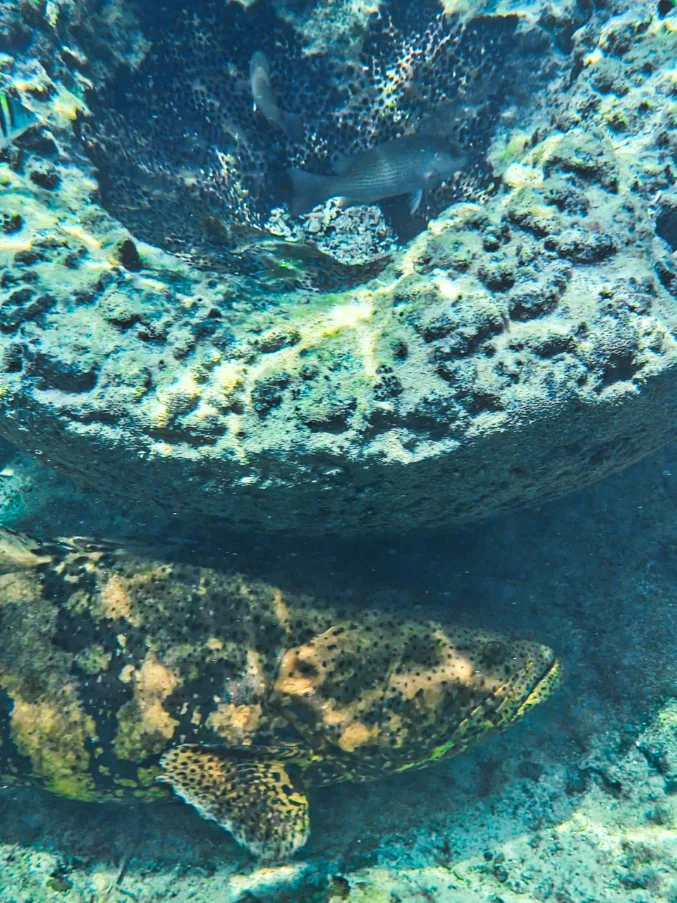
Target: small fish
266 102
15 119
409 165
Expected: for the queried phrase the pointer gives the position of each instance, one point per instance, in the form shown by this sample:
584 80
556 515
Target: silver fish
266 102
409 165
15 119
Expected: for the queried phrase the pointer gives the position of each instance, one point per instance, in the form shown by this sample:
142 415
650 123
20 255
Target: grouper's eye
494 652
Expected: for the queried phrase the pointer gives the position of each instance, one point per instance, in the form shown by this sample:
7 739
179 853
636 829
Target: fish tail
310 190
292 126
6 116
15 119
259 61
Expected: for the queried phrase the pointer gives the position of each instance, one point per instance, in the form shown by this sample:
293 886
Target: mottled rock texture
520 346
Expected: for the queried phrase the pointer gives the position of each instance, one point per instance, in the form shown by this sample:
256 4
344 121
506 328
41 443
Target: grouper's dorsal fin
255 799
19 552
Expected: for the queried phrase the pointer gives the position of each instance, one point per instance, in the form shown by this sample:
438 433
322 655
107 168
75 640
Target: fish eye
495 652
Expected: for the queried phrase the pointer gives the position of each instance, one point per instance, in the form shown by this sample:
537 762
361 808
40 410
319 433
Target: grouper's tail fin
310 190
19 552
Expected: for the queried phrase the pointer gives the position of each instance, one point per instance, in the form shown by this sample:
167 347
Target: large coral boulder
521 345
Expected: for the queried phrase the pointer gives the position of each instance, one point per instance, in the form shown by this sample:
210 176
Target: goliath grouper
409 165
122 667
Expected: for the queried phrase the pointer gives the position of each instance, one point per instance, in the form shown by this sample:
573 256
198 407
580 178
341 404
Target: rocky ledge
524 344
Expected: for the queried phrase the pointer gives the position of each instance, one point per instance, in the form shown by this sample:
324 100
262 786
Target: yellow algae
233 426
546 148
78 601
413 251
235 724
158 414
126 782
255 676
281 609
332 717
518 174
206 411
94 659
148 776
116 601
66 106
82 188
367 351
144 725
356 735
53 735
77 231
164 449
294 685
15 243
517 141
541 211
591 59
17 587
228 375
154 680
127 673
345 316
151 793
392 444
185 385
507 151
448 288
153 285
187 301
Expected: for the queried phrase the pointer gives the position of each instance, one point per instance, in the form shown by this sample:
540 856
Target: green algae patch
144 725
54 734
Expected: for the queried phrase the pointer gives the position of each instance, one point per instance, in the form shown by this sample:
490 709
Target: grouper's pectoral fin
255 799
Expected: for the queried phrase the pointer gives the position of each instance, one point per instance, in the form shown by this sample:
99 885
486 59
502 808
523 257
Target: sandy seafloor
578 803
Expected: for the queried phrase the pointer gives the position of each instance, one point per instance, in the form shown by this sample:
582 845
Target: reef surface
520 345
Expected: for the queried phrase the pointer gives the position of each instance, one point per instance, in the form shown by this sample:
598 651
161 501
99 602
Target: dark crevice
187 164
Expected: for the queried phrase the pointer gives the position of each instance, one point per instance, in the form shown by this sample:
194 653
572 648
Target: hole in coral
187 163
666 225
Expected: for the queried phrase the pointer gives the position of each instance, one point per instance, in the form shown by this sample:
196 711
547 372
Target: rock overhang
519 347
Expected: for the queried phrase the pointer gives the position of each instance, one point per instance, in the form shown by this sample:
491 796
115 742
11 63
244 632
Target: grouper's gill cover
124 665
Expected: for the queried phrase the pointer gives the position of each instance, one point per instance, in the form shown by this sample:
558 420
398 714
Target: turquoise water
309 497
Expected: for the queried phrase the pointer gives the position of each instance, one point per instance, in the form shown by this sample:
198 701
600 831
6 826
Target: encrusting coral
520 345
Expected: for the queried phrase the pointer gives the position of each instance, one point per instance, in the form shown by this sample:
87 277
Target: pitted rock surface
524 344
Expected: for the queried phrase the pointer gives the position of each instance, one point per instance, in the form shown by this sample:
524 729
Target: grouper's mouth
547 684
